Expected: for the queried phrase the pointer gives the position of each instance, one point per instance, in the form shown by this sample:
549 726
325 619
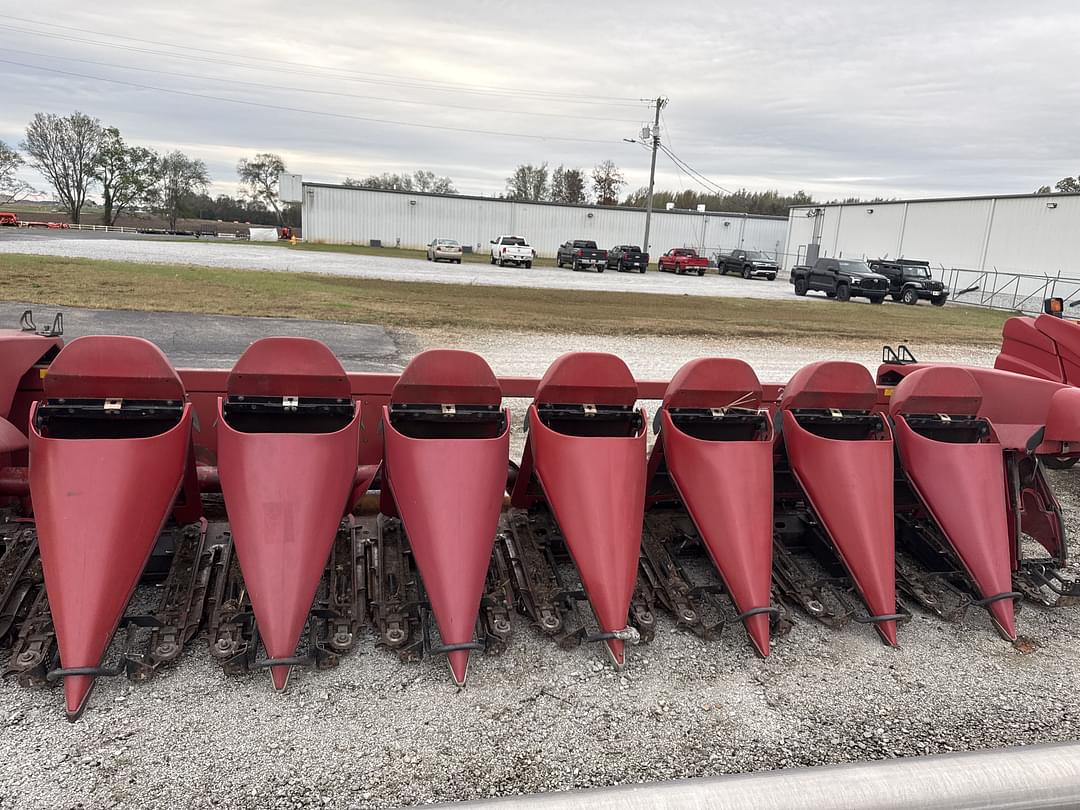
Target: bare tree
12 189
422 181
127 175
65 150
607 183
259 180
528 182
182 178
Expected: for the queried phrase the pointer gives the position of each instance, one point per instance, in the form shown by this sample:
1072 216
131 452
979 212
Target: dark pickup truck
841 279
627 258
748 264
910 281
581 253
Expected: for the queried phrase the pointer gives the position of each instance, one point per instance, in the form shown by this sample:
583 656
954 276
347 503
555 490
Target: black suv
910 281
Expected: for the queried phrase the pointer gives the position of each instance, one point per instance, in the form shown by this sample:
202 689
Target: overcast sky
836 98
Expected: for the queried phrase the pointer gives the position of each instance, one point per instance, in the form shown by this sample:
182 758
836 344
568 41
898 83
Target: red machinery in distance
755 500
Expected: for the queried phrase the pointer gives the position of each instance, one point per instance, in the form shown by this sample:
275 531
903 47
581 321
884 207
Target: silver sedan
444 249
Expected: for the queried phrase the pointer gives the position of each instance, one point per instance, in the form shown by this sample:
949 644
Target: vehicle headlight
856 282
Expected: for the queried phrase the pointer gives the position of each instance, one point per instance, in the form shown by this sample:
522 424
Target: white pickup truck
511 250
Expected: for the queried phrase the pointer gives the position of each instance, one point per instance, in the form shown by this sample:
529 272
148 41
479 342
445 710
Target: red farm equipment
290 510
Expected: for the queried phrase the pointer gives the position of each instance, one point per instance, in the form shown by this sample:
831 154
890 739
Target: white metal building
347 215
1025 233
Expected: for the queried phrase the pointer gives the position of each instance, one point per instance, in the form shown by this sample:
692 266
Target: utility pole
660 103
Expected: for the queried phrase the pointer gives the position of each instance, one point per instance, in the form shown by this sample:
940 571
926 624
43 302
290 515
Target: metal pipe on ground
1037 777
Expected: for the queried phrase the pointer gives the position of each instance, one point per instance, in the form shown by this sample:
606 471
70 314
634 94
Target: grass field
182 288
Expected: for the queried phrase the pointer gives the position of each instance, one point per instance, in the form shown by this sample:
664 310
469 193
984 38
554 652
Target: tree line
1066 185
78 156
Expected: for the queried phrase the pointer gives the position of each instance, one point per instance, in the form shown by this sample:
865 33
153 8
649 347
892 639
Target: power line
285 108
702 179
346 74
307 90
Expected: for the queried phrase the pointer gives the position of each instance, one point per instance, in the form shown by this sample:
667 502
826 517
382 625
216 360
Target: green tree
528 182
608 181
65 150
1068 184
127 174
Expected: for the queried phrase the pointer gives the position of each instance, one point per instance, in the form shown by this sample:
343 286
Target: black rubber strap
468 645
998 597
1035 440
885 617
756 611
56 674
296 660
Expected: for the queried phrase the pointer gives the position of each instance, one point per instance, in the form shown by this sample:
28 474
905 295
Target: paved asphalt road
216 341
281 258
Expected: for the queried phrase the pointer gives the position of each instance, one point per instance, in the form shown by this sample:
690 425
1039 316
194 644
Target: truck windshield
632 249
854 266
758 256
917 270
582 243
514 240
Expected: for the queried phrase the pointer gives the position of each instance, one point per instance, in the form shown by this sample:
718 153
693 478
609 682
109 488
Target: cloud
837 98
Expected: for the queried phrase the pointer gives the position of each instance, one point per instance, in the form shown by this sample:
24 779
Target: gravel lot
274 257
376 733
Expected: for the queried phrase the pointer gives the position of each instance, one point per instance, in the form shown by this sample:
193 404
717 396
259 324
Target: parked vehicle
910 281
511 250
627 258
841 279
748 264
444 250
7 218
581 253
682 260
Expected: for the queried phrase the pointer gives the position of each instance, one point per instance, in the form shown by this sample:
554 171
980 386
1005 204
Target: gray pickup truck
842 279
748 264
581 253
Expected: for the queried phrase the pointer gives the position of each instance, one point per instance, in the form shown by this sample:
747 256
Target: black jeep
910 281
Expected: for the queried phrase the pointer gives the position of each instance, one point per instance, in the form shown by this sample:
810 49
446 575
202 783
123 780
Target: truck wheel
575 266
528 265
641 269
877 299
843 292
830 294
701 272
801 286
492 259
619 267
599 268
939 301
746 273
771 278
1059 462
910 296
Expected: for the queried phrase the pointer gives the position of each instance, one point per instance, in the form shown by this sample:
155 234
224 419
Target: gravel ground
375 732
273 257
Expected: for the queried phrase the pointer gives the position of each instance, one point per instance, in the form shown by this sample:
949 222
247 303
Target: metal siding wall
355 216
950 234
869 236
1028 237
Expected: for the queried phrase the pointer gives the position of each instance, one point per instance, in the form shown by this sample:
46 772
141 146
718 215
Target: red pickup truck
683 260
